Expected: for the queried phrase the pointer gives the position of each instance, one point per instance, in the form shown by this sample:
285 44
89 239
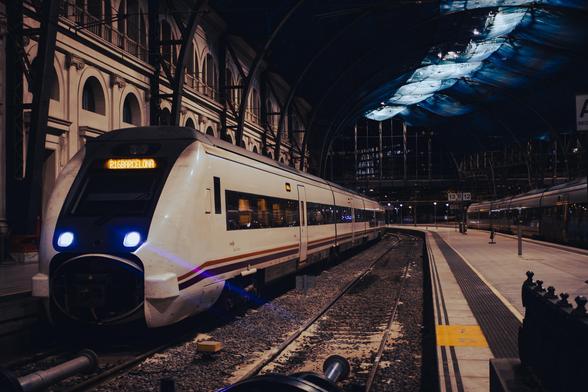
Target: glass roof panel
462 5
480 51
408 99
384 113
503 22
425 87
445 71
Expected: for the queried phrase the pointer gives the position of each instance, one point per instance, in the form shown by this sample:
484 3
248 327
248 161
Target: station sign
459 196
582 112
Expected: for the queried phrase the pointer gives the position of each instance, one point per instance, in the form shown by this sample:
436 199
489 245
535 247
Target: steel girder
302 75
257 61
188 32
154 61
33 181
14 111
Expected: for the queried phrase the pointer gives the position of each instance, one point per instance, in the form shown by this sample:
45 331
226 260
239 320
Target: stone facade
101 81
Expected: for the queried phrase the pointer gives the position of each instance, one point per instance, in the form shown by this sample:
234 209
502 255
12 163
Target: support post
185 52
380 160
355 152
12 138
224 90
39 115
254 67
519 238
404 132
429 153
154 61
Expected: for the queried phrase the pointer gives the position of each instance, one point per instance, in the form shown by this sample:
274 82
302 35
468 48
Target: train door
303 230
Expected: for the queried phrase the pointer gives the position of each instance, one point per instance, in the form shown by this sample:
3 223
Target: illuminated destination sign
132 163
459 196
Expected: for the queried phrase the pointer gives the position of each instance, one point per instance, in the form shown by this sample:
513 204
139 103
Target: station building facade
101 82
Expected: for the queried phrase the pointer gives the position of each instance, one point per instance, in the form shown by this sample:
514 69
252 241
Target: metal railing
553 341
103 29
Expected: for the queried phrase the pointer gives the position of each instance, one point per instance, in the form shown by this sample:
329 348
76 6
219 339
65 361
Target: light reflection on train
555 214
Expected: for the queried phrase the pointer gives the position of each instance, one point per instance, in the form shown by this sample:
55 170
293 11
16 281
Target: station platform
19 312
476 290
15 278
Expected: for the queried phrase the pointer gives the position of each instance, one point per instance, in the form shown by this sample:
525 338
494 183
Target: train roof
166 132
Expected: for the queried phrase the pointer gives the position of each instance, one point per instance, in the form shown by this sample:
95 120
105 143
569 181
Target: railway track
353 324
116 361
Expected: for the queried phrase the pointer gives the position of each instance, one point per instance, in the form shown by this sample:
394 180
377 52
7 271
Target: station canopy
506 44
488 66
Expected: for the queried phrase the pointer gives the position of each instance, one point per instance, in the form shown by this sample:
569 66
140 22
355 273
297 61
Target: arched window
229 85
134 18
255 149
54 93
190 123
107 20
93 96
94 9
238 92
228 138
282 160
196 64
210 71
53 81
165 117
255 104
210 131
131 110
143 31
166 35
121 23
190 67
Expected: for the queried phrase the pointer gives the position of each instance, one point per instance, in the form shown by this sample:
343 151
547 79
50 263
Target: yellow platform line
460 336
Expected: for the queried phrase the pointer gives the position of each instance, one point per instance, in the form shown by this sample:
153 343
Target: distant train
152 223
556 214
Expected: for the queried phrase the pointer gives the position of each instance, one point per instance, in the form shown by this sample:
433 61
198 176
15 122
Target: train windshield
116 192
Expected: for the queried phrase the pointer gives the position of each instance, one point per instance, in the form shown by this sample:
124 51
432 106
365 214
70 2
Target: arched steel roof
433 63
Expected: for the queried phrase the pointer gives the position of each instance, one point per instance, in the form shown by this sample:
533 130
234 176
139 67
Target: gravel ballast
247 337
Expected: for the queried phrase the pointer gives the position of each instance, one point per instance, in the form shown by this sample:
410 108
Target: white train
152 222
555 214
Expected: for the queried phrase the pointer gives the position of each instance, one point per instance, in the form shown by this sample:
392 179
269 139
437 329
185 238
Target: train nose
98 289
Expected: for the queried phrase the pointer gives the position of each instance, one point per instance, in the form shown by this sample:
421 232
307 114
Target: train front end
96 222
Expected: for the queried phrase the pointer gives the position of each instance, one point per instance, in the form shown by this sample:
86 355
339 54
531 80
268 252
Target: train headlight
132 239
65 239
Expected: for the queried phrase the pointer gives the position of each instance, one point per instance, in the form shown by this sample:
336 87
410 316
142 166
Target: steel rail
378 357
295 335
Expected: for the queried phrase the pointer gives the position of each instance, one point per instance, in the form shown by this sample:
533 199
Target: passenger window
248 211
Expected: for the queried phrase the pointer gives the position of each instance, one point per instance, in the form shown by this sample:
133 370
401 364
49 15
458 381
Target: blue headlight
132 239
65 239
